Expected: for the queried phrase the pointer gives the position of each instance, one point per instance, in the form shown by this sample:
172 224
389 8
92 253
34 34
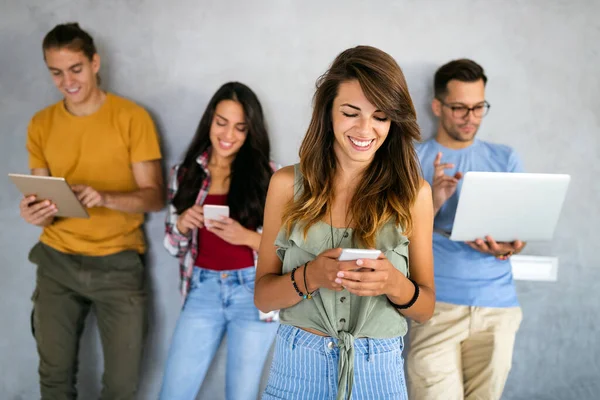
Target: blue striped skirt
305 366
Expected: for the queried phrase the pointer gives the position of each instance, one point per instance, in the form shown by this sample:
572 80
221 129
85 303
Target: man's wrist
106 199
436 208
47 222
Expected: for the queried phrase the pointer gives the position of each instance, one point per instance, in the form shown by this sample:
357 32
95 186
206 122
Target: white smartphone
355 254
214 212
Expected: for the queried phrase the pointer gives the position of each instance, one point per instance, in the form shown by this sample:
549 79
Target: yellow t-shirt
95 150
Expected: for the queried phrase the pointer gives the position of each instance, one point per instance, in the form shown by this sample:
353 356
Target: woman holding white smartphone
358 185
226 168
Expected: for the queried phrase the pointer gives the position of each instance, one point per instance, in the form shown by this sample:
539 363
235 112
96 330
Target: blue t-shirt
462 275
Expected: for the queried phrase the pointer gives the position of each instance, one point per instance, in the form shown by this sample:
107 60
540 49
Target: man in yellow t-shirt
107 148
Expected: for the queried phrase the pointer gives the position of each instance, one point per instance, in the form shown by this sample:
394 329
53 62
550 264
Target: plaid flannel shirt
185 247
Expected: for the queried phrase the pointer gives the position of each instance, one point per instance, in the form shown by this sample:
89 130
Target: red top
217 254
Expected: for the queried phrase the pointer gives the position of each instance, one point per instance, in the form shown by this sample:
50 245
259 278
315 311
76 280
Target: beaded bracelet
295 285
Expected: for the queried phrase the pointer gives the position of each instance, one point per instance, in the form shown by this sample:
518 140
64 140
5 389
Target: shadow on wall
106 68
420 84
152 340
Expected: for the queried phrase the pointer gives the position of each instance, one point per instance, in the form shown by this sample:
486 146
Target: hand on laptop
497 249
444 185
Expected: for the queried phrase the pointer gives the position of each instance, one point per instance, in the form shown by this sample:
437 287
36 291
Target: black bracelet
308 295
412 301
294 283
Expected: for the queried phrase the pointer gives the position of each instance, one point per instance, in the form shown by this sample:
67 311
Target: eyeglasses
462 111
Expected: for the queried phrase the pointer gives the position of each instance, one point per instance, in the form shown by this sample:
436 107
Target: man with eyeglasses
465 350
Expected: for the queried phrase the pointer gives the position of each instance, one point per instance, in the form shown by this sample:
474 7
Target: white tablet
509 206
55 189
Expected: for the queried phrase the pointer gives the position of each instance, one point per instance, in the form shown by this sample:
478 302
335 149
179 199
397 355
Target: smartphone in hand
355 254
212 212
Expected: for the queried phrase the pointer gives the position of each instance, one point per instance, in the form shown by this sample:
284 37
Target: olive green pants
68 285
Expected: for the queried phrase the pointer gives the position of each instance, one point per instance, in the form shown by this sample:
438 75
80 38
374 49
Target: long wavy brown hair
389 186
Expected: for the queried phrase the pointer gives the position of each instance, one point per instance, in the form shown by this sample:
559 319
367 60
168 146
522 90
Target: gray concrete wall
542 60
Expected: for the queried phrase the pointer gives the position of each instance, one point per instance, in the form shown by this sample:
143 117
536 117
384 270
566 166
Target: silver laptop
509 206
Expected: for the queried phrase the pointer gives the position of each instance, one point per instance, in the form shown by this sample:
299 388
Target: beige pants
462 352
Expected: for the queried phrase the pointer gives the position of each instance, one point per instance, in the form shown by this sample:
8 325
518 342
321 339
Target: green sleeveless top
341 315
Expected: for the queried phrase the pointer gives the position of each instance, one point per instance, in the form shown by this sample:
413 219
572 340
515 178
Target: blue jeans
219 302
305 367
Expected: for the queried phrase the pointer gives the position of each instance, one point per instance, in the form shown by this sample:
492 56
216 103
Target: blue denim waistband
297 337
232 276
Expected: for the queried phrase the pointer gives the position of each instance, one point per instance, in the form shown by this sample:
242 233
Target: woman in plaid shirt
227 163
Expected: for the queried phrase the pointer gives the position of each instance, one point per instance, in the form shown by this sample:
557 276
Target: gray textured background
170 56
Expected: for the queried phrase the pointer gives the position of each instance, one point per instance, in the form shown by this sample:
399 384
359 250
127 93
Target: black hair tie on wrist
412 301
308 294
